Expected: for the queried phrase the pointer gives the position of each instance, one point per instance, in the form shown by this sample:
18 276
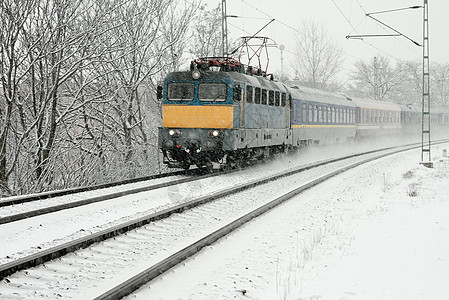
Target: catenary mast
224 29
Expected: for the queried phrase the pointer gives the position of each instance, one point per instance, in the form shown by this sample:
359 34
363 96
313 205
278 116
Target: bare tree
206 37
148 44
319 57
440 83
377 78
77 84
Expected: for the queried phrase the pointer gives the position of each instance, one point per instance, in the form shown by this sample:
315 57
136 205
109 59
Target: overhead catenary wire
370 44
383 28
354 28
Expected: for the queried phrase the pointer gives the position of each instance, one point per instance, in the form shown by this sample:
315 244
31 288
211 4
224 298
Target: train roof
310 94
378 105
410 108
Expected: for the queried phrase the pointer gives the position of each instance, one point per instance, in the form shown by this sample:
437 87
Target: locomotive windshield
212 92
181 91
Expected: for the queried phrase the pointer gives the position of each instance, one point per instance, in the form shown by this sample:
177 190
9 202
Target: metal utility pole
282 48
224 29
425 137
375 79
426 118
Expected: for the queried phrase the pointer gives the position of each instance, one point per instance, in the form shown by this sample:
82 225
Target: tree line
78 82
77 86
319 59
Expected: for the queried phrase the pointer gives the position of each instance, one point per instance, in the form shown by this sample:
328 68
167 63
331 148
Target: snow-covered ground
29 236
380 231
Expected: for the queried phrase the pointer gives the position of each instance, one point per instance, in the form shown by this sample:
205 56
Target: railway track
58 193
19 208
164 239
22 207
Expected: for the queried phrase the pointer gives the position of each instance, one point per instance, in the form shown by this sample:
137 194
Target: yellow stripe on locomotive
195 116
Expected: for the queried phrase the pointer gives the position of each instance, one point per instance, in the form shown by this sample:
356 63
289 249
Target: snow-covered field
380 231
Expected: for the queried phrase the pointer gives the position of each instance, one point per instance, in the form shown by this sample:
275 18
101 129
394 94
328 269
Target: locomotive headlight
215 133
171 132
196 74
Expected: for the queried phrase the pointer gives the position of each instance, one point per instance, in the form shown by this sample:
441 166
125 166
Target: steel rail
55 208
83 242
77 203
135 282
52 194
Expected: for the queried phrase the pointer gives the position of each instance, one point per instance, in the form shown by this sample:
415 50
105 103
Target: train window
283 99
329 115
333 115
237 93
264 97
257 94
320 114
181 91
310 113
315 113
304 113
294 112
271 98
213 92
277 98
249 94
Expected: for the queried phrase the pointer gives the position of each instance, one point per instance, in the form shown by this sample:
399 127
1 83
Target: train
221 114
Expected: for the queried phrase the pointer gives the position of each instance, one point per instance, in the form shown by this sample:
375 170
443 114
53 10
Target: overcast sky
289 14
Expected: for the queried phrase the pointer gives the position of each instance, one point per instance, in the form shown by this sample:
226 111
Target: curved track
190 248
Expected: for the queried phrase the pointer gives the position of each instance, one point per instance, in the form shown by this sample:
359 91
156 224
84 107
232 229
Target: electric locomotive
218 115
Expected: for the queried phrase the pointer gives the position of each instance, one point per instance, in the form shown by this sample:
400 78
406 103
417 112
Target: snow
378 231
29 236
